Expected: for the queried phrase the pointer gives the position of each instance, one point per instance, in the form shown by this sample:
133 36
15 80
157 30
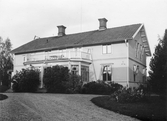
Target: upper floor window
138 50
106 49
141 47
78 49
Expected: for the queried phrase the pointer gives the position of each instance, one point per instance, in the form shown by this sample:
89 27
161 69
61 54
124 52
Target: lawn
154 109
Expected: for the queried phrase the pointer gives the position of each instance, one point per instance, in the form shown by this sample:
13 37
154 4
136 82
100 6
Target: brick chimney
61 30
102 23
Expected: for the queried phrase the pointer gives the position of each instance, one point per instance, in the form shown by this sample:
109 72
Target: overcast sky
21 20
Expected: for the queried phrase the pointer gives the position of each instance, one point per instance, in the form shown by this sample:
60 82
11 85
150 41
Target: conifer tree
158 67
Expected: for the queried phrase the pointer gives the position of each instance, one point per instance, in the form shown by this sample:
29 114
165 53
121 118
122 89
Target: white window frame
107 66
106 49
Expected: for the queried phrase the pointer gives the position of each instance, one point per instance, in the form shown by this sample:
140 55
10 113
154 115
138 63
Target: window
141 48
75 69
136 45
106 49
135 71
24 59
143 51
106 73
138 50
78 49
85 73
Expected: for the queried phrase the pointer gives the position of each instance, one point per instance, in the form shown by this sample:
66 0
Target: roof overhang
65 47
143 35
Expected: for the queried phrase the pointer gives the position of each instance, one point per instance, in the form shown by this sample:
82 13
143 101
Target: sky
21 20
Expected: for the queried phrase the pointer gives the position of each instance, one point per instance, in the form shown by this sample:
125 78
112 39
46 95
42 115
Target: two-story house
109 54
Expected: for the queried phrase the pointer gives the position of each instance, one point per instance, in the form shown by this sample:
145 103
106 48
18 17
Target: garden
136 102
143 107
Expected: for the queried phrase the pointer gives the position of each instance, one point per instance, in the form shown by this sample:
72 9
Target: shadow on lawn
3 97
152 110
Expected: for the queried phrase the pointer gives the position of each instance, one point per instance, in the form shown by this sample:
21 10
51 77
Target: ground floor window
135 71
75 69
106 73
85 73
144 74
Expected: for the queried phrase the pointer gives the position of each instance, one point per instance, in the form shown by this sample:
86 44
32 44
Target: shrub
114 86
127 95
27 80
3 88
74 84
100 87
56 78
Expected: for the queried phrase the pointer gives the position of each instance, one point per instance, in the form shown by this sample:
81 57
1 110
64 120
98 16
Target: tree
56 78
158 66
26 80
6 61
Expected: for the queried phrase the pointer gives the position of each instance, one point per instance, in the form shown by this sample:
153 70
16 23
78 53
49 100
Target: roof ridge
90 31
108 35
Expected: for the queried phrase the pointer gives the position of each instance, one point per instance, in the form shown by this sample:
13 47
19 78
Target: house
109 54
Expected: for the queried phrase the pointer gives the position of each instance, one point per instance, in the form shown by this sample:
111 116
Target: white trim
127 64
145 41
137 31
79 70
149 54
100 75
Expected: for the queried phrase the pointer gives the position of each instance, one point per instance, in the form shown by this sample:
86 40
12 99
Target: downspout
126 42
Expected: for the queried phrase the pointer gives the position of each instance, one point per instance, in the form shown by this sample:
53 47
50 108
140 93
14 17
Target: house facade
109 54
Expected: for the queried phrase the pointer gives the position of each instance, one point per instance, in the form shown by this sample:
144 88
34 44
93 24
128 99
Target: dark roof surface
110 35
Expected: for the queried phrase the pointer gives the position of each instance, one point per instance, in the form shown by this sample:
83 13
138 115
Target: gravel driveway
54 107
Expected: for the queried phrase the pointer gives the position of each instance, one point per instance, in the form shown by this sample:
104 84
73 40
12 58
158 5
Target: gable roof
80 39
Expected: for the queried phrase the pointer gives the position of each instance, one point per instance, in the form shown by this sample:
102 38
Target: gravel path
54 107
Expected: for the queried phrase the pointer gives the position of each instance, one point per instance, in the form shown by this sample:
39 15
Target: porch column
41 76
69 66
79 68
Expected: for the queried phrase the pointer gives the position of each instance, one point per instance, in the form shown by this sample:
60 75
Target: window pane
109 76
104 49
109 73
136 48
109 49
104 73
104 77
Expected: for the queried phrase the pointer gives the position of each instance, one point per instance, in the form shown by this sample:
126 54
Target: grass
152 110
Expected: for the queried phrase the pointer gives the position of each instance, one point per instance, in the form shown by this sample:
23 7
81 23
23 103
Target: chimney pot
102 23
61 30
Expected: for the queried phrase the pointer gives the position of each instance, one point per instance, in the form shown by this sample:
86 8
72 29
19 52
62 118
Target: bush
56 78
27 80
114 87
74 84
100 88
3 88
127 95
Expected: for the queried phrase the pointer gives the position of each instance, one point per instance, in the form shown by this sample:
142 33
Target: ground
151 108
54 107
